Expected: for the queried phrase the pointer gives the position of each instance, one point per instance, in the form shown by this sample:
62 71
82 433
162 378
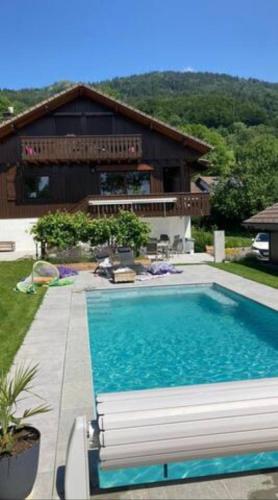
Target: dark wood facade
76 141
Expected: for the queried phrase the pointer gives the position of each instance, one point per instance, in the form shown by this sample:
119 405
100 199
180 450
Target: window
262 237
36 187
113 183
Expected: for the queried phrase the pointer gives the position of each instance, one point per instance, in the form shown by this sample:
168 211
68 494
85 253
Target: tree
222 157
101 231
61 229
130 230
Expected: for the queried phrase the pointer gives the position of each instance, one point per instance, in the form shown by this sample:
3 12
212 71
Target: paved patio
180 258
58 341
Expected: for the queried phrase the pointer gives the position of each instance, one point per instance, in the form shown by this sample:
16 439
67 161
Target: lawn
16 309
252 270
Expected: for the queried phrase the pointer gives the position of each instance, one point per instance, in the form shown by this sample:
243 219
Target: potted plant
19 443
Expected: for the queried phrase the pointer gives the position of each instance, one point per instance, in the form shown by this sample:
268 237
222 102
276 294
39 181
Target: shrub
61 229
130 231
202 239
101 231
238 241
64 230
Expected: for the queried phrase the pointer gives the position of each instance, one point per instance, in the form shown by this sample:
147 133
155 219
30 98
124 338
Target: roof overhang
43 108
261 226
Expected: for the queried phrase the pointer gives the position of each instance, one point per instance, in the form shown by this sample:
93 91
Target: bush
130 231
238 241
101 231
61 229
64 230
202 238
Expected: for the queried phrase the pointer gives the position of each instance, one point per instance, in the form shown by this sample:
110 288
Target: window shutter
11 186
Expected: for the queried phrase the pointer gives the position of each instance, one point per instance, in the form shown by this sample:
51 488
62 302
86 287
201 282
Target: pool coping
65 382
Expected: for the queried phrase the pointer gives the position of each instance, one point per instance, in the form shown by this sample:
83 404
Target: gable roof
268 218
9 126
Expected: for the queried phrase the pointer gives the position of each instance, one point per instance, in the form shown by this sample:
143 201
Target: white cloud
188 69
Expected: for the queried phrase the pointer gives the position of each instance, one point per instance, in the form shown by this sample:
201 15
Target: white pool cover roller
159 426
77 468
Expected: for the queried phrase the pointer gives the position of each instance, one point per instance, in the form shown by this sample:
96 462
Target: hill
215 100
212 99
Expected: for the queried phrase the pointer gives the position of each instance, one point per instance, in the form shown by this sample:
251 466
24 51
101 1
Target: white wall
18 230
169 225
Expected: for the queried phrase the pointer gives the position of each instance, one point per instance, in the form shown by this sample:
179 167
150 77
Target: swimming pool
180 335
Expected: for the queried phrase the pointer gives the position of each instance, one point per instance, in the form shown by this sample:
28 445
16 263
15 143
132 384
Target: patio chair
151 247
177 246
164 237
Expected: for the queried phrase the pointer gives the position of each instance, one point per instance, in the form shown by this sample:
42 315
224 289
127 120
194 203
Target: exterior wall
274 247
18 230
169 225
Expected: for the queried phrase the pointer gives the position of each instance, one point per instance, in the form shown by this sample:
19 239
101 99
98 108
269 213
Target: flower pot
18 471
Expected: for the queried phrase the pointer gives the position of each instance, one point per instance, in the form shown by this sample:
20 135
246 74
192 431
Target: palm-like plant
11 391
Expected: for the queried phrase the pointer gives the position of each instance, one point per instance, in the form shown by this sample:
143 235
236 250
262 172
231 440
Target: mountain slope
215 100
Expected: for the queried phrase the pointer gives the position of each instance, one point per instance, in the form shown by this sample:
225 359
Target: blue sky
43 41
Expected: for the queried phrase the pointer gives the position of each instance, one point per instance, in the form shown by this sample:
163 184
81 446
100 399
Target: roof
204 184
267 219
210 180
9 126
194 188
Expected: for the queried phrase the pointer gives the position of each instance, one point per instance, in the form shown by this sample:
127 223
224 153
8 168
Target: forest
238 117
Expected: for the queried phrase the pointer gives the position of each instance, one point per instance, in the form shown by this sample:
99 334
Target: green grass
16 309
252 270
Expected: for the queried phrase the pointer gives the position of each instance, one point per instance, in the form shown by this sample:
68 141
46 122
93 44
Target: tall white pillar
219 246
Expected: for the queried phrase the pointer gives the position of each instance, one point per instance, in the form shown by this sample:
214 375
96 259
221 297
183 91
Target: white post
219 246
187 222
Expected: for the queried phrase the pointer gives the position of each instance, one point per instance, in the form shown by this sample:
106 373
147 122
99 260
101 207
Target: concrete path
58 341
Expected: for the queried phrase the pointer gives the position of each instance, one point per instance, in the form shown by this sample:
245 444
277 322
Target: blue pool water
180 335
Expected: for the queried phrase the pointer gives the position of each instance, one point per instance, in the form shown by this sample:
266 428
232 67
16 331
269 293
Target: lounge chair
101 255
125 256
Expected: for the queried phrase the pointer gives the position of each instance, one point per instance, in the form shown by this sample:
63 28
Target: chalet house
83 150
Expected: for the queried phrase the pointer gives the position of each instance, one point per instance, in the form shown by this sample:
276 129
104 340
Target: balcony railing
152 205
81 148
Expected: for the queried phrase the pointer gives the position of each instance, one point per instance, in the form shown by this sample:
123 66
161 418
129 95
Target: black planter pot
18 472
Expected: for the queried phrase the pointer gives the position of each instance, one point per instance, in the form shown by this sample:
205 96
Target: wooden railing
182 204
81 148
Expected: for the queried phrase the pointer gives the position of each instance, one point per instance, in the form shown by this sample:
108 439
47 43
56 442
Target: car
260 246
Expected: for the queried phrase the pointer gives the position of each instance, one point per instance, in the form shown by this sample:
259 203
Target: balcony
81 148
152 205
